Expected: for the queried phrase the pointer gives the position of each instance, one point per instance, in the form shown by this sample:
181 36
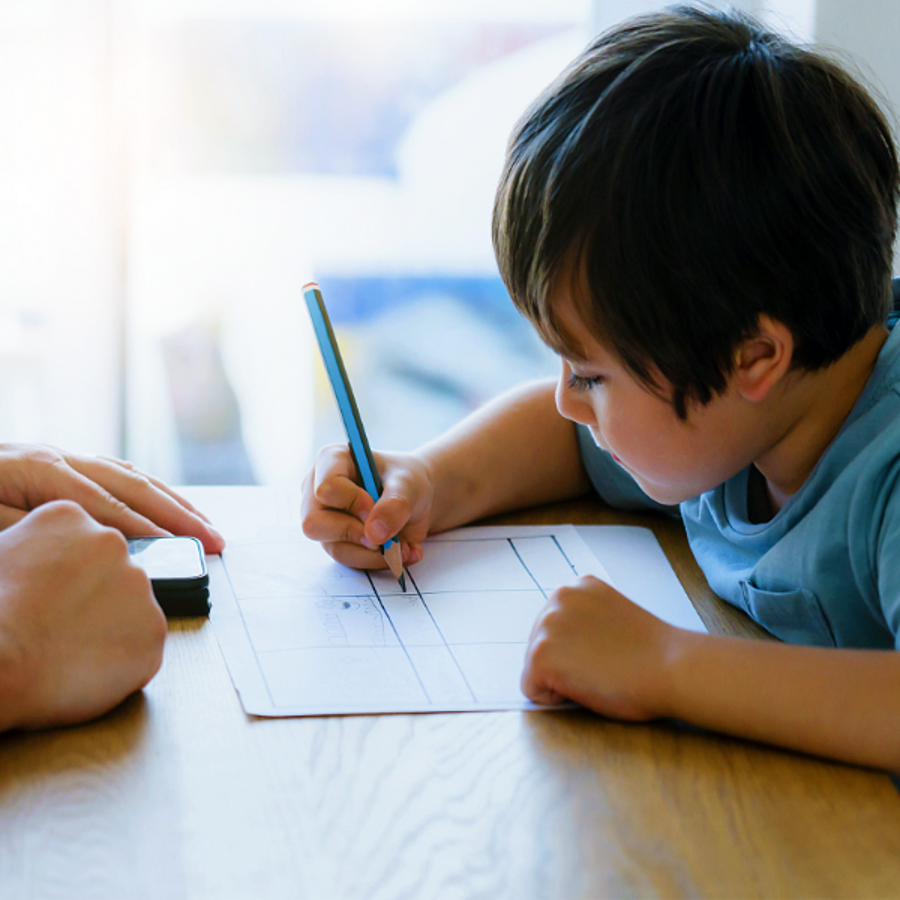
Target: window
173 171
60 251
317 142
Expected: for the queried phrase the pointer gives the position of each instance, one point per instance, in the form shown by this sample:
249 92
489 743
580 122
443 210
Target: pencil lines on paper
330 639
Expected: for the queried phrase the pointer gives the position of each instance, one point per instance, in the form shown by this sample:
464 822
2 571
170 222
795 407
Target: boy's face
670 458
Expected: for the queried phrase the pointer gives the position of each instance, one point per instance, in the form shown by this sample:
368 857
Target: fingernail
379 531
369 545
364 514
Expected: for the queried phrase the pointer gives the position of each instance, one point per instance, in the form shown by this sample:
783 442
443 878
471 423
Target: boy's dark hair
693 171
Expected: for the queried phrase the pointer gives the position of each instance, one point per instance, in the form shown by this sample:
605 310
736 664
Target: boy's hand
79 628
350 525
592 645
111 491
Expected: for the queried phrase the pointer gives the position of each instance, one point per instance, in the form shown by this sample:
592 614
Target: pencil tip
403 583
395 560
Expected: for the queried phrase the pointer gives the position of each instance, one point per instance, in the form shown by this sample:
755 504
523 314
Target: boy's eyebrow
561 344
569 349
589 364
567 353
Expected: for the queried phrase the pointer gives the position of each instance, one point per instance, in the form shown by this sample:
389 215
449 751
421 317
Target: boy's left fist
593 645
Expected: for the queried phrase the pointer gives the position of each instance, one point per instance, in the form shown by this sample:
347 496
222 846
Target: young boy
698 217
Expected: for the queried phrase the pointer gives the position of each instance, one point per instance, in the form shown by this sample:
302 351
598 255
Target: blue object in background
428 349
354 300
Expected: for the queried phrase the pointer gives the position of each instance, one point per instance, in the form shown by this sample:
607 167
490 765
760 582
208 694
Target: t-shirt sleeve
888 563
611 481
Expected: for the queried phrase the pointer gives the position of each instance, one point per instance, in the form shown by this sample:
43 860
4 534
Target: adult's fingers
123 493
156 482
9 515
62 482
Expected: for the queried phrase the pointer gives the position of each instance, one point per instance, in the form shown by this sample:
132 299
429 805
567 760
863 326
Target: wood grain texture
178 794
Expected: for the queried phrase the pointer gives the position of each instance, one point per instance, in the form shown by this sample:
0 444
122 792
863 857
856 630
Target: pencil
353 424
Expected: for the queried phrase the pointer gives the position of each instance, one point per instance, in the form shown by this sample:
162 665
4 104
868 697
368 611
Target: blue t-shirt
826 569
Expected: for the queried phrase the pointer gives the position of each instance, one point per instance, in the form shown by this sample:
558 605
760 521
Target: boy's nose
570 403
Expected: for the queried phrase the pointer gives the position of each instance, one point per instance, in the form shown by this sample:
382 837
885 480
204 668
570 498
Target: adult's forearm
842 704
516 451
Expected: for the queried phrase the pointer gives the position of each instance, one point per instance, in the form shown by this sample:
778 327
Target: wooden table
178 794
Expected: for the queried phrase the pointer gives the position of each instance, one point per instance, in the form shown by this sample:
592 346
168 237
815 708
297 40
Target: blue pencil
353 425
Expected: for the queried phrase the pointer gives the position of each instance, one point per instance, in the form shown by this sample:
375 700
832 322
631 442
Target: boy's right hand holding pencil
350 525
489 463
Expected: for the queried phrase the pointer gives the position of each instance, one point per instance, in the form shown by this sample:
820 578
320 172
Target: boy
80 629
698 217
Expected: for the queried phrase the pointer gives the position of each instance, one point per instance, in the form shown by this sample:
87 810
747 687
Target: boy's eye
580 383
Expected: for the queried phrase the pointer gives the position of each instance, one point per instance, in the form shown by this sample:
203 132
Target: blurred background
173 171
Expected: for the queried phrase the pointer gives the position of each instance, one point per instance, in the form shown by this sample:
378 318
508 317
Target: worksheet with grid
304 635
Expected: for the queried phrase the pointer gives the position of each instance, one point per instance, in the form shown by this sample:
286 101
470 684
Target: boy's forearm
842 704
517 451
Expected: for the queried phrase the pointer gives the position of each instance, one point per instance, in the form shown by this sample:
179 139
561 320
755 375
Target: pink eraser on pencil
312 284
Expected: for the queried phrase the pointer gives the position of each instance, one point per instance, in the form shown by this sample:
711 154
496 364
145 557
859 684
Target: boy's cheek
602 445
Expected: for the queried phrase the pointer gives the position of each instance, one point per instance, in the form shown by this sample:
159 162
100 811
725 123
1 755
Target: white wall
793 16
865 35
59 378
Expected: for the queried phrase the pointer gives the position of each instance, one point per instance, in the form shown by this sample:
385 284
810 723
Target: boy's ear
763 359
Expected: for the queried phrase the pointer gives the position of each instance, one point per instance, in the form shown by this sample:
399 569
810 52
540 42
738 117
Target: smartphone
177 570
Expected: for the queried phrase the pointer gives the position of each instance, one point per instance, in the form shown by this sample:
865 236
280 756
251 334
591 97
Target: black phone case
177 601
187 596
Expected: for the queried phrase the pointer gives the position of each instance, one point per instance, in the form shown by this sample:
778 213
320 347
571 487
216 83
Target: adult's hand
111 491
79 627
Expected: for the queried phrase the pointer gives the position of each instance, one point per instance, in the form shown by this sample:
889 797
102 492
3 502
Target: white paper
640 570
304 635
